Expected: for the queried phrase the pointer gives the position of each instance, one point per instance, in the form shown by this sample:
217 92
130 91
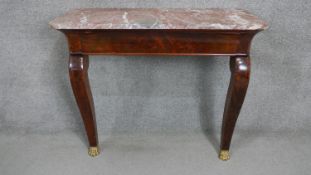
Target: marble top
139 18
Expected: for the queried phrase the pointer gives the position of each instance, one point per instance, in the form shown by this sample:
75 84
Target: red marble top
113 18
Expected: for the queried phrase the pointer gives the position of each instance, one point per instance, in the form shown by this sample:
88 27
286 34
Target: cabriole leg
78 72
240 73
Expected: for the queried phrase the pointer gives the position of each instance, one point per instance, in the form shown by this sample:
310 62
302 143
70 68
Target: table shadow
206 89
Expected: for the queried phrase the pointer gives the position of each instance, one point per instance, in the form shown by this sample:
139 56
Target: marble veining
144 18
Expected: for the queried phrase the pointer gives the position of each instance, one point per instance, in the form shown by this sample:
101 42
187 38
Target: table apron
159 42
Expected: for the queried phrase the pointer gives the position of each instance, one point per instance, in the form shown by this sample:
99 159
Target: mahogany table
204 32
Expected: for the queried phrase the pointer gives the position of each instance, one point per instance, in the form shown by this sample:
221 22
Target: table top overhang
151 18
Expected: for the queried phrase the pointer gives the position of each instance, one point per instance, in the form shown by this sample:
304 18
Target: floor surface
155 154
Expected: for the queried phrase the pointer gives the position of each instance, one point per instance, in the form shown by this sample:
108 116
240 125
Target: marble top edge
152 18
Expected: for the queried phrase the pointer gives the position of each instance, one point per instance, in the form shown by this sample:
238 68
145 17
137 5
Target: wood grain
233 43
78 72
240 73
159 42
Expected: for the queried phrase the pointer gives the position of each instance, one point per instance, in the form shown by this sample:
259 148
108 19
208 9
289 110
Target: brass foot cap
93 151
224 155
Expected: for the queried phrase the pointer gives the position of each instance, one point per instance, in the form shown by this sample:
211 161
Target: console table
114 31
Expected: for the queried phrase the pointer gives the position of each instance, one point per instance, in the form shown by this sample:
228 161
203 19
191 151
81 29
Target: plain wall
153 94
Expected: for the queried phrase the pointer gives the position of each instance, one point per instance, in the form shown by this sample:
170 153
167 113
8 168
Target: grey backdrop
153 94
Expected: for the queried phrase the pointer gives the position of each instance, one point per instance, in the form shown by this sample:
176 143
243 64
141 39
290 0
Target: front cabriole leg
78 72
240 73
